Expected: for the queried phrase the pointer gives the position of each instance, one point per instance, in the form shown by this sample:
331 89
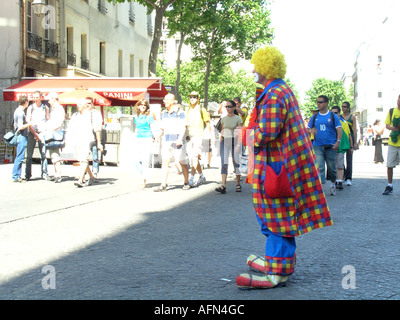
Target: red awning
120 91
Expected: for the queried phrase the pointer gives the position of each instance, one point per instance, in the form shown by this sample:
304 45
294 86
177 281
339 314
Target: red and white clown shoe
249 281
256 263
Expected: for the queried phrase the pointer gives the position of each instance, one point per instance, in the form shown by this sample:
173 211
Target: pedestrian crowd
43 125
334 136
188 138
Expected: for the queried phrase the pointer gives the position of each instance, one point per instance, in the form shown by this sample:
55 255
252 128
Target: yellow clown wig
269 62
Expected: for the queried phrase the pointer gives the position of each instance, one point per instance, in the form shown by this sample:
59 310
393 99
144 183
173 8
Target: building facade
377 71
168 50
80 38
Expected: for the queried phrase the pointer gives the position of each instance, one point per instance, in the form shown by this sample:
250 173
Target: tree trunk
208 70
178 68
156 41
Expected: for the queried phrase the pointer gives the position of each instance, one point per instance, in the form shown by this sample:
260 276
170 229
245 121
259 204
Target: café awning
120 91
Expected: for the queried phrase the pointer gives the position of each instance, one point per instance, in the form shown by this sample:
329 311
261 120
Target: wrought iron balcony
71 59
102 8
85 64
50 48
35 42
149 29
131 17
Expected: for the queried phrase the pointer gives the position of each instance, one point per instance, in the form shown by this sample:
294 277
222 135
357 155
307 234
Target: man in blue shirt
22 125
327 131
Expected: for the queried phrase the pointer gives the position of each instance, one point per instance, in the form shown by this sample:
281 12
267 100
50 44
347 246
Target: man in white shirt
37 114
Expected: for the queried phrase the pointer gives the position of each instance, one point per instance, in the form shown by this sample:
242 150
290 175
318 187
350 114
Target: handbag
276 183
218 126
55 139
11 138
243 163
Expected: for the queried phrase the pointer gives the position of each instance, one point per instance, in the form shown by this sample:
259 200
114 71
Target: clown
287 193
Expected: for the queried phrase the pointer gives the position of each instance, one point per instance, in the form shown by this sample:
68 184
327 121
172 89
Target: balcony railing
71 59
85 64
131 17
50 48
35 42
149 29
102 8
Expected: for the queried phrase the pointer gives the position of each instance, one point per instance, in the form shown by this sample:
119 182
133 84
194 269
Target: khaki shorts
195 147
170 151
83 153
340 160
393 157
55 155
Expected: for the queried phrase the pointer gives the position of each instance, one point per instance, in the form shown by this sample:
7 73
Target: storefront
120 92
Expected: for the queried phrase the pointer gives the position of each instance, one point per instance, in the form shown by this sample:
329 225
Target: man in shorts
393 158
198 119
173 146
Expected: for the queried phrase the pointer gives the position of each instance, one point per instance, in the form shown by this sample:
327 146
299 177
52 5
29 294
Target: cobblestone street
115 241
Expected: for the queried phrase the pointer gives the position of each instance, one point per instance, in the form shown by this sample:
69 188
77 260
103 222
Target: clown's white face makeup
259 78
256 77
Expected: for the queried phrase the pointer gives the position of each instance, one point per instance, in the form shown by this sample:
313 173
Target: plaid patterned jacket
281 136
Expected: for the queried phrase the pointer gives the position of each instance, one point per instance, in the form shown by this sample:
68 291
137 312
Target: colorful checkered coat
281 133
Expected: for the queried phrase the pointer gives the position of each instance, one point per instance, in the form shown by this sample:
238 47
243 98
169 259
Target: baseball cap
194 93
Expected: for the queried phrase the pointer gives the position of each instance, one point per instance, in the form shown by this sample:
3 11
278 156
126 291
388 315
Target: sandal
238 188
221 189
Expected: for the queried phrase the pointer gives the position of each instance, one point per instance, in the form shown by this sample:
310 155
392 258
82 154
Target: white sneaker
191 182
333 190
348 182
200 181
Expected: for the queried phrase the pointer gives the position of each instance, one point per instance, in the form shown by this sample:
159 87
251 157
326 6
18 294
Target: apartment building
168 50
377 71
79 38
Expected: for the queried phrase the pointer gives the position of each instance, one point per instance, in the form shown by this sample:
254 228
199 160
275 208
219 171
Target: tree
227 31
333 89
240 84
181 22
159 6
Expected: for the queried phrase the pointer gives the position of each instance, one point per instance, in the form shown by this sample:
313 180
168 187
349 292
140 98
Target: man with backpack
327 131
392 122
198 119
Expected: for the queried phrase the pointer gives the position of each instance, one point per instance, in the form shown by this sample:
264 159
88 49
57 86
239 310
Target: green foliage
293 87
220 32
224 85
333 89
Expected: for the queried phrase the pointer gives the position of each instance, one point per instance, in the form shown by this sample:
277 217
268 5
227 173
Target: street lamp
38 6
